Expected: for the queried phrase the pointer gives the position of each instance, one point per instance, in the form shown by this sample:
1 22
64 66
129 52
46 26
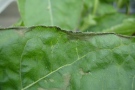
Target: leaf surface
48 58
121 24
51 12
67 14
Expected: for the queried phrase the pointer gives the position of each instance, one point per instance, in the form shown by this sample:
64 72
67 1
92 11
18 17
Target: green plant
47 57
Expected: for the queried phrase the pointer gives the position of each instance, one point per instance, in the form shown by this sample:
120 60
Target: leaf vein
50 11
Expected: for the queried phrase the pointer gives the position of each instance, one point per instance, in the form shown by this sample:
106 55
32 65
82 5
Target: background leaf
77 15
65 14
108 23
126 27
53 59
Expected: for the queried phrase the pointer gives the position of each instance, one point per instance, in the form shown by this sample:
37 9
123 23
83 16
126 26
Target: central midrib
50 12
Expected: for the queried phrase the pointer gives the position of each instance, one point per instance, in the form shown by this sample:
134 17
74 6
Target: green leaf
105 8
126 28
48 58
122 3
65 14
108 21
94 13
108 1
117 23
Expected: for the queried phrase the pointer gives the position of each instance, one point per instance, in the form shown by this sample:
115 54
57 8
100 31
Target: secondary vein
52 72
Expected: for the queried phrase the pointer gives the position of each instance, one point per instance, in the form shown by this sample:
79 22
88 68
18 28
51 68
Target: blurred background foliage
110 16
80 15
